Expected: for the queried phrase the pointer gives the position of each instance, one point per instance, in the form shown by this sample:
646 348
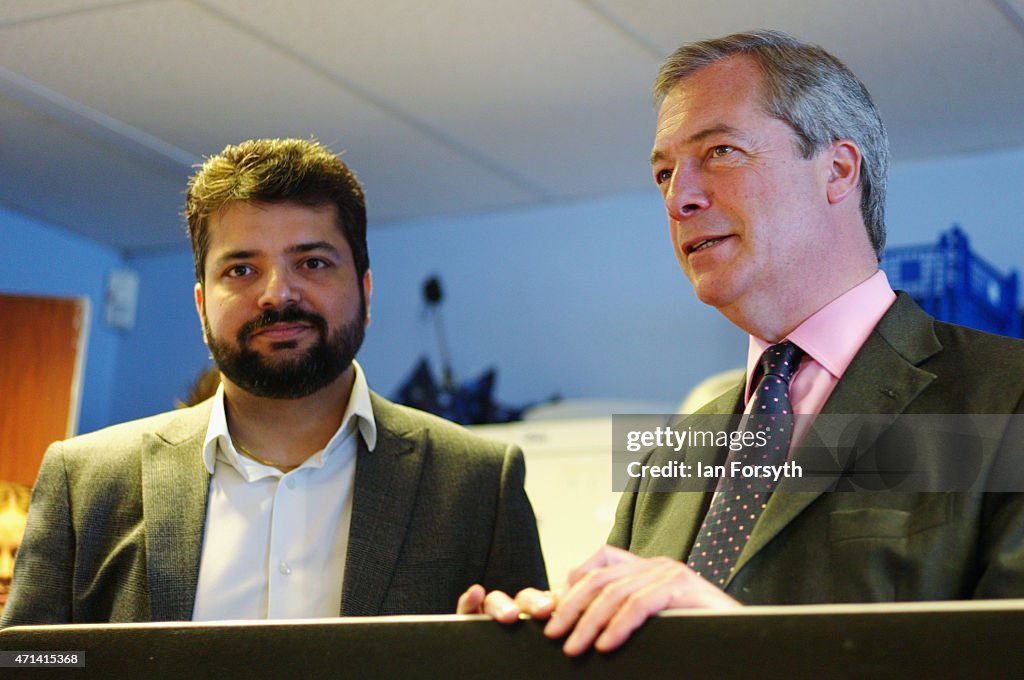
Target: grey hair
812 92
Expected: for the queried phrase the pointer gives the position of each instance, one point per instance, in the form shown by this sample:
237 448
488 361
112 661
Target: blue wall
165 352
581 299
36 259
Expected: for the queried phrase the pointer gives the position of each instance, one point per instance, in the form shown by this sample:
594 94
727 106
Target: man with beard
295 491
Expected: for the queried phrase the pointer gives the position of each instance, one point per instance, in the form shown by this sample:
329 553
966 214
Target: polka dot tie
739 502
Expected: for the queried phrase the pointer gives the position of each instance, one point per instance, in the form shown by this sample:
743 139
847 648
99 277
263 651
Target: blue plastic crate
953 284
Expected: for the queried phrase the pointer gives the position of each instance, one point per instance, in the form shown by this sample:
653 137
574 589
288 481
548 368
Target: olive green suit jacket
828 546
116 525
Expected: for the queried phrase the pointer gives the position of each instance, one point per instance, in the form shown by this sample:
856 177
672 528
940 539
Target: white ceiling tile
24 11
932 66
441 108
550 90
85 186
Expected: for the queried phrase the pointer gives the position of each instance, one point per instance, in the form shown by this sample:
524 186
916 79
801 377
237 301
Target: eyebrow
698 136
315 245
296 249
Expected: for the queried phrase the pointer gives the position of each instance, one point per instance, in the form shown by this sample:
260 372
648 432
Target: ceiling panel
932 66
51 172
22 12
514 81
235 87
446 107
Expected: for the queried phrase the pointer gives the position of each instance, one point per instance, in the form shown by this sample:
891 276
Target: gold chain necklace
249 454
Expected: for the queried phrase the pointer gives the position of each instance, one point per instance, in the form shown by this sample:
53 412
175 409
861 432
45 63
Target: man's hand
607 597
537 604
611 594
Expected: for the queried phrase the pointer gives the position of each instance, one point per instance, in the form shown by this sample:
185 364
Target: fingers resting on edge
471 601
606 603
537 604
606 598
499 606
585 583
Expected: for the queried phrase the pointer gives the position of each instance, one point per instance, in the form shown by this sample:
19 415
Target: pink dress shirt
831 338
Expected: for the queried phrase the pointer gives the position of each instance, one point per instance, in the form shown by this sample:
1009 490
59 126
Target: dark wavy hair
276 171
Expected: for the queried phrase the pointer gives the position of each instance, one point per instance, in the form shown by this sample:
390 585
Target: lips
281 329
285 323
700 244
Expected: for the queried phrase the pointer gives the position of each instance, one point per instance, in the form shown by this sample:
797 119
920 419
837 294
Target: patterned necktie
738 503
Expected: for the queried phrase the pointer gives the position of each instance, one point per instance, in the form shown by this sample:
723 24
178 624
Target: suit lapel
384 494
175 486
882 381
684 512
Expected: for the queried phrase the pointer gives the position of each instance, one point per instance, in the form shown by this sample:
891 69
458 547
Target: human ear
367 290
844 170
198 293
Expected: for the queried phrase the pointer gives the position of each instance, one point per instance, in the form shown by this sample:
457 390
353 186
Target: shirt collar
358 413
834 334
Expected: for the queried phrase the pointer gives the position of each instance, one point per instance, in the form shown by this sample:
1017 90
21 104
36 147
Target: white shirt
275 542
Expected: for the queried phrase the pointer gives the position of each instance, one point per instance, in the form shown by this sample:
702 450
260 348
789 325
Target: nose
280 289
685 196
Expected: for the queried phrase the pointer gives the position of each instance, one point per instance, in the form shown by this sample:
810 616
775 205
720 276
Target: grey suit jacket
819 547
115 530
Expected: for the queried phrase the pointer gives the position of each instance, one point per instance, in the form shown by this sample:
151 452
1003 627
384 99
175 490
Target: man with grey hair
772 159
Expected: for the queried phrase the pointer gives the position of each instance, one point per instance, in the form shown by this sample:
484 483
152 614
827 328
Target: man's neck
790 309
286 431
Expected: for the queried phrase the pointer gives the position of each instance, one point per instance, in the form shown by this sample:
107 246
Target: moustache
286 315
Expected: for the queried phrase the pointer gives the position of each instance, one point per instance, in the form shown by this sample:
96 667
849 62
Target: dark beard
293 378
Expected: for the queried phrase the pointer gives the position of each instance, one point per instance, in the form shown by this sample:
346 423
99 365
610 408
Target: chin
713 293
